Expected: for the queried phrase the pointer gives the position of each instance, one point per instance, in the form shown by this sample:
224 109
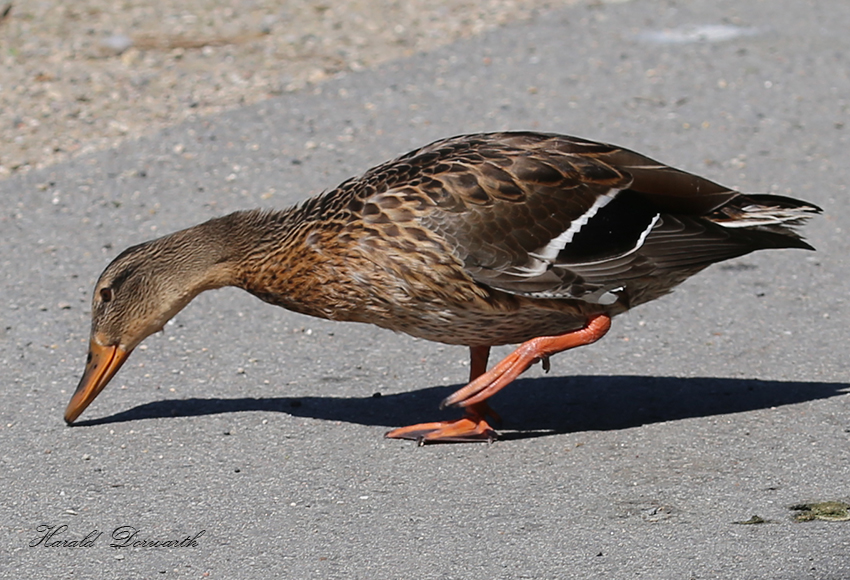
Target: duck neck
218 251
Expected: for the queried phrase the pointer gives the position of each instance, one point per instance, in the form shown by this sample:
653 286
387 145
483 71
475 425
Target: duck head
141 290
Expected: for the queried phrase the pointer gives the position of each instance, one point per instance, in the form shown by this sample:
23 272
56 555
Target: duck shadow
530 407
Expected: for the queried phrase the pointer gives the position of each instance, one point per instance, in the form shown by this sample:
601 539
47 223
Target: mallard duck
476 240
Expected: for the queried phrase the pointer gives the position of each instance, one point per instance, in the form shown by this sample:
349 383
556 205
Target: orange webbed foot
472 427
491 382
484 384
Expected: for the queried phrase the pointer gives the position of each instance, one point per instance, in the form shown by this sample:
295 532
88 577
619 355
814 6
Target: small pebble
116 44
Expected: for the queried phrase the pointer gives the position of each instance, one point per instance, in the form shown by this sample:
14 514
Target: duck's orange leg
473 426
524 356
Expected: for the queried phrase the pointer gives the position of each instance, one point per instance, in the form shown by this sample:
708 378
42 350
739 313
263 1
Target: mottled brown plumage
478 240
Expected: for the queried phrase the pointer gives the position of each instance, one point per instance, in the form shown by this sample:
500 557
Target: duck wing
551 216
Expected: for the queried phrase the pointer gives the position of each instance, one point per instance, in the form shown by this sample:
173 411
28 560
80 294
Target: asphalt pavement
251 438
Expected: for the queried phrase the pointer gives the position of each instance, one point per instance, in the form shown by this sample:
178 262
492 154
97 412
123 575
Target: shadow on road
529 407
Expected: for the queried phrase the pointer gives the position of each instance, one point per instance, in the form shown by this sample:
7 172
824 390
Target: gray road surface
633 458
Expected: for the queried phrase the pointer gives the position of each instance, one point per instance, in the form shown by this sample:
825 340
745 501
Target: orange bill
103 362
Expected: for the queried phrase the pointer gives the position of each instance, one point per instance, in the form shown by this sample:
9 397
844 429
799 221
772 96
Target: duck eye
106 294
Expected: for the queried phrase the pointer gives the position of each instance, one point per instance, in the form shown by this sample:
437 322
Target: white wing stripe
645 233
551 250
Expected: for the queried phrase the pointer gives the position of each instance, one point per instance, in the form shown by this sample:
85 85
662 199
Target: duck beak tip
103 363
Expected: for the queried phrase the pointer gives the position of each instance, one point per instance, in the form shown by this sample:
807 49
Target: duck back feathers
551 216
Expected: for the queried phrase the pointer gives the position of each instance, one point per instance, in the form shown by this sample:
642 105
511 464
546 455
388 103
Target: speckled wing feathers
550 216
501 204
509 206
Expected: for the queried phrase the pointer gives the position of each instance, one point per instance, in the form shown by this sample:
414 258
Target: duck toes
477 240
